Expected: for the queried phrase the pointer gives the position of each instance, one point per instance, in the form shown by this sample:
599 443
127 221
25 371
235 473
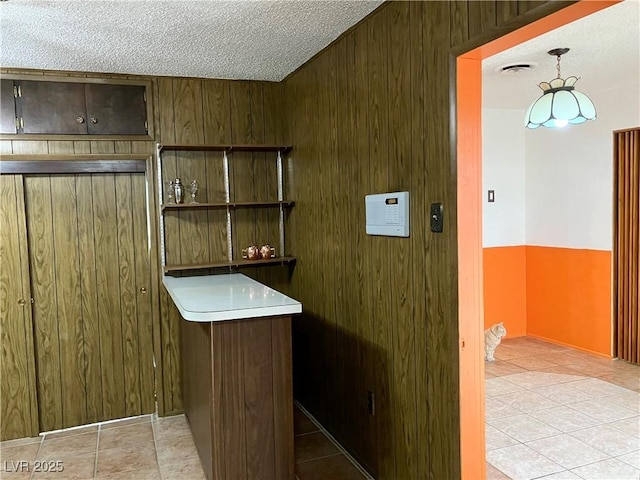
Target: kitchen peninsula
236 374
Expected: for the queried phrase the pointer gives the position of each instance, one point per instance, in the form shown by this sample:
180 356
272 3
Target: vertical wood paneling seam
98 318
55 286
28 321
122 309
135 296
82 303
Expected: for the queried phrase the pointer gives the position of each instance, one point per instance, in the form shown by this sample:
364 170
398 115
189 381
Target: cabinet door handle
94 120
143 290
79 119
22 302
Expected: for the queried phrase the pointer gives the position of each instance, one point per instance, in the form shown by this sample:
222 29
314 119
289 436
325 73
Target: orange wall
569 297
559 294
505 288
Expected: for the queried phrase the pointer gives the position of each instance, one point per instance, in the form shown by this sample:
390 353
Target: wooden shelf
188 206
235 263
225 148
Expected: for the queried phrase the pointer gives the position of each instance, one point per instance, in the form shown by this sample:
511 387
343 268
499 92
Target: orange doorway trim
469 185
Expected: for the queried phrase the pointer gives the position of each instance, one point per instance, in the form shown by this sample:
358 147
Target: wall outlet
371 403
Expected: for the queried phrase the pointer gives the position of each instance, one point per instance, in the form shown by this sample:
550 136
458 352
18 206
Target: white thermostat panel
388 214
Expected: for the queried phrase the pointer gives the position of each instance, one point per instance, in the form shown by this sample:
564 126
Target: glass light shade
559 105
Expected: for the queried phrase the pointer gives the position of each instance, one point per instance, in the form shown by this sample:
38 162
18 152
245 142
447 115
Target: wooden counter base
238 399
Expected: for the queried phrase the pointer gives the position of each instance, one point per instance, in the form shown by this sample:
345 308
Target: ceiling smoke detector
515 68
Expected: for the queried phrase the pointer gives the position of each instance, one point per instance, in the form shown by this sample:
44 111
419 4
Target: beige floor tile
563 394
126 459
19 453
632 459
630 426
313 445
11 475
302 423
611 469
564 475
499 386
520 462
496 439
20 441
494 408
532 363
494 474
608 439
630 381
564 419
526 401
599 388
567 451
501 368
560 358
334 467
80 467
148 474
531 380
130 435
183 469
64 448
524 428
602 410
174 425
170 448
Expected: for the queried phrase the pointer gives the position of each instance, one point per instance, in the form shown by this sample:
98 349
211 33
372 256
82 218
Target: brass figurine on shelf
266 251
251 253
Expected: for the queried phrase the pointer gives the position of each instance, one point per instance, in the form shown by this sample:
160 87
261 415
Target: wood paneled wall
371 114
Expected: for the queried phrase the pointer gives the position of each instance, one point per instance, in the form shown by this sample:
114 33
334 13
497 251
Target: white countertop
215 298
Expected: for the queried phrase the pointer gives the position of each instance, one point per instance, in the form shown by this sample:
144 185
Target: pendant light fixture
560 104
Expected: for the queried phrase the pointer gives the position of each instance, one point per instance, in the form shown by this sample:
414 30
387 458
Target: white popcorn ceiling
605 54
245 40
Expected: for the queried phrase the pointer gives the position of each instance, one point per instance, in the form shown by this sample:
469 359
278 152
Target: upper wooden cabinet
73 108
8 107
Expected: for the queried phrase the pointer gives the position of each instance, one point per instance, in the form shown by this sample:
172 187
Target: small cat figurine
492 338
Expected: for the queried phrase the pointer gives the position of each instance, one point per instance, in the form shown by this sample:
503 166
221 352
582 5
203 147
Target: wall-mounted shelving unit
227 205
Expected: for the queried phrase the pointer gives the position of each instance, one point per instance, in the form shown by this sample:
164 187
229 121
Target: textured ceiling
605 54
249 40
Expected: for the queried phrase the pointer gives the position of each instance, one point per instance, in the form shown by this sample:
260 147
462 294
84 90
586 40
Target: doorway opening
469 200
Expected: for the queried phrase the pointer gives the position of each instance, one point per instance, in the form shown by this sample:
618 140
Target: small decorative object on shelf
193 189
266 251
178 190
251 253
170 192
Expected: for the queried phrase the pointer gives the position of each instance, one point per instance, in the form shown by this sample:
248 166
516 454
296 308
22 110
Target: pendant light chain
558 65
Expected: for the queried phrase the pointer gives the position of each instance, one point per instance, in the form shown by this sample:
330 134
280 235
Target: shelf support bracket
280 199
227 198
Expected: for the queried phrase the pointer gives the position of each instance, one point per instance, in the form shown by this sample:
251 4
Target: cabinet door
90 274
18 409
7 107
52 107
116 109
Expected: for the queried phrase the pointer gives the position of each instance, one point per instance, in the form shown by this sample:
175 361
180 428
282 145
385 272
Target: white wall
569 175
503 170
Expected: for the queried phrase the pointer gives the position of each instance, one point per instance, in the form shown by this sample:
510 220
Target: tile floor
150 448
554 413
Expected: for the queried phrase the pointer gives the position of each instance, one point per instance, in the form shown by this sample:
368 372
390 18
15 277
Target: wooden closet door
18 412
90 273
